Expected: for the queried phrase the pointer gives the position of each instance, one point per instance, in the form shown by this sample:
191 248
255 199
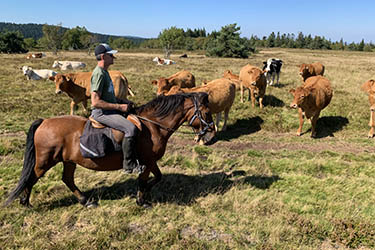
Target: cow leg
68 179
371 123
226 112
252 95
261 102
277 77
84 104
301 120
241 90
314 119
218 118
73 107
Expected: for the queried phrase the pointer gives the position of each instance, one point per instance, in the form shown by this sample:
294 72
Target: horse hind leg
145 185
68 179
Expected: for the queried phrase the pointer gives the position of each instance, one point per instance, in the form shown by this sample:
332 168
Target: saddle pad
95 143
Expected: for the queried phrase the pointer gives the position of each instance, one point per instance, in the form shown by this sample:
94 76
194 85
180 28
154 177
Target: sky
334 19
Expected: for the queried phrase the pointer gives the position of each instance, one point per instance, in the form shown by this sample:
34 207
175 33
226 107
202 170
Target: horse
53 140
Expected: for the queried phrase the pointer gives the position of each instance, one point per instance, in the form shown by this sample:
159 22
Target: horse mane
164 105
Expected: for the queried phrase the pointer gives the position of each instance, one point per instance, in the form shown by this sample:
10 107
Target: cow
235 78
183 56
160 61
313 69
272 67
37 74
369 87
310 98
66 65
253 78
78 86
221 93
183 78
35 55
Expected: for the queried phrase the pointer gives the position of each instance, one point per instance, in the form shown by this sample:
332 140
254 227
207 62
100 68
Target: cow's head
26 70
300 95
163 85
56 64
255 76
305 70
368 86
61 81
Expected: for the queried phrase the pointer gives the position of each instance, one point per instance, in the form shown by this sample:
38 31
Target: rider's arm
98 103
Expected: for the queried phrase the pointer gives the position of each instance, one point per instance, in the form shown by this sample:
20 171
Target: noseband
198 114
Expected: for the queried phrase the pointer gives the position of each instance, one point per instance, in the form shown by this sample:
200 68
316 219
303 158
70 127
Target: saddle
98 140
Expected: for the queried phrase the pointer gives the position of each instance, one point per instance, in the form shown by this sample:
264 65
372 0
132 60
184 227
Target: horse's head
200 118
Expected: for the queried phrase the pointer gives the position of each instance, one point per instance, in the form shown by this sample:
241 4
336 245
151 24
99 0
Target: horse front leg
145 184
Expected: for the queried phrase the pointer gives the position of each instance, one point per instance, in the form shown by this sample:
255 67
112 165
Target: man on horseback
109 110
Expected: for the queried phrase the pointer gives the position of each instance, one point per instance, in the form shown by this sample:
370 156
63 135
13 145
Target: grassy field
257 187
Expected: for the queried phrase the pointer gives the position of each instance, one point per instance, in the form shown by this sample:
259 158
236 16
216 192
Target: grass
257 187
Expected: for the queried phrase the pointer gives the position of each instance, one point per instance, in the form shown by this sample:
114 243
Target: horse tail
28 163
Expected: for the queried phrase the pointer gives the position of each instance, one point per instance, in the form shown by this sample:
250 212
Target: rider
109 110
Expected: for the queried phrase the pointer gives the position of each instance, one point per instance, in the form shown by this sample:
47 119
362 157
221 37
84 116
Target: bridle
197 114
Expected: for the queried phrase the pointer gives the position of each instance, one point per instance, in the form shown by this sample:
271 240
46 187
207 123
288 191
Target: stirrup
137 170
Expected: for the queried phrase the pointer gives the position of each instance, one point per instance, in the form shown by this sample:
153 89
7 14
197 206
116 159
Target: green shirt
101 83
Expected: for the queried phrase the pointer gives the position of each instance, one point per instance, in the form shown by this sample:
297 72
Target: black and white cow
272 67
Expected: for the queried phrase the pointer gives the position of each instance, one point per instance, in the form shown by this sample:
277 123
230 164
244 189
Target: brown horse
56 140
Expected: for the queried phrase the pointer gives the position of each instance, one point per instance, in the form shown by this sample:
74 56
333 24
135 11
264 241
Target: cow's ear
154 82
52 78
367 85
292 91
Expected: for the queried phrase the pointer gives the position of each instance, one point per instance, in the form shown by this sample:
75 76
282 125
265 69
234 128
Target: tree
29 43
122 43
52 37
76 38
228 43
172 38
12 42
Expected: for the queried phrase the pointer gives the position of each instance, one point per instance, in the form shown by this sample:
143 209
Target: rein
156 123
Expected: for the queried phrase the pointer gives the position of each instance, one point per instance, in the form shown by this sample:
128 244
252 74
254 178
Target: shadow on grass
241 127
327 125
174 188
273 101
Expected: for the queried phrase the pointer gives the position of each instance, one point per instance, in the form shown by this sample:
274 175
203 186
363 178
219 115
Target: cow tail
28 163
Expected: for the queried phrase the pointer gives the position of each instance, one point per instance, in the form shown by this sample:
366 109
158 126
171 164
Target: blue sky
333 19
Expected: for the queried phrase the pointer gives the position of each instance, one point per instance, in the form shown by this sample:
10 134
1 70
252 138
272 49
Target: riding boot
130 163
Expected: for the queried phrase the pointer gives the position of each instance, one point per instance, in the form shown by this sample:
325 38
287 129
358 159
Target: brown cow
78 86
35 55
310 99
369 87
183 78
253 78
313 69
221 93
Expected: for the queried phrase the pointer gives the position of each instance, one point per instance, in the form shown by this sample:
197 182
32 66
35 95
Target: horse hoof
91 204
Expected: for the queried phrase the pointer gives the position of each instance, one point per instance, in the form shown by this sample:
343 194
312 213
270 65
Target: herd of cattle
310 98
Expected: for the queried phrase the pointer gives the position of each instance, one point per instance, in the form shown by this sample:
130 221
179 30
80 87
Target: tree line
224 43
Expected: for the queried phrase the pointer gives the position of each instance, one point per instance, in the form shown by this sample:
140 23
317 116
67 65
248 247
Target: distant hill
35 31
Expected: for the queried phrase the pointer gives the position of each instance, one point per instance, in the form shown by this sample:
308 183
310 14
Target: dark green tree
228 43
52 37
12 42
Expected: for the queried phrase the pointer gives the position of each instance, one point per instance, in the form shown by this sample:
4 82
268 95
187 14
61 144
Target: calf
78 85
221 94
37 74
183 78
272 67
253 78
65 65
160 61
369 87
310 99
313 69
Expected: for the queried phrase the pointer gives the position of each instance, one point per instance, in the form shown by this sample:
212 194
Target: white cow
37 74
65 65
163 61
